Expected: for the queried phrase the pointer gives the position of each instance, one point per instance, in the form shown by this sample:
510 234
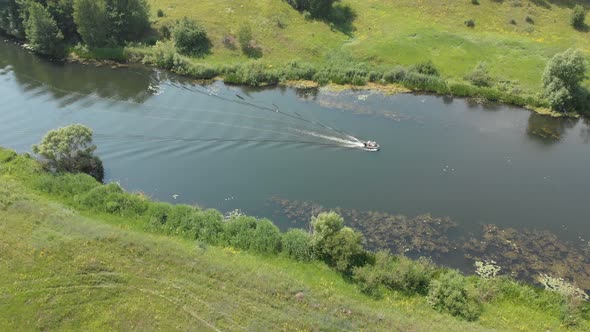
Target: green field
403 32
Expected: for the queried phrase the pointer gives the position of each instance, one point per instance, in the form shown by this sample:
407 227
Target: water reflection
73 82
548 130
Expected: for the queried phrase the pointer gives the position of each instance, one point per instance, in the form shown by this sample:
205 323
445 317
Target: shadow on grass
341 19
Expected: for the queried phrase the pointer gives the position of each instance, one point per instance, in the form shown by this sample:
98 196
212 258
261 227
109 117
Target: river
278 152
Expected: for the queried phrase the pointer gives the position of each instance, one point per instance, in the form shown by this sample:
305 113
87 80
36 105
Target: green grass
401 32
66 268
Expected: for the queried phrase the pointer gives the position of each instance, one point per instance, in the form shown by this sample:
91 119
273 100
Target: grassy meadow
514 37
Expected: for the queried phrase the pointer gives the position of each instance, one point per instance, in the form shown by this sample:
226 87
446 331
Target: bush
111 198
449 294
339 246
469 23
266 238
475 2
480 76
160 13
296 244
253 74
425 68
249 46
190 38
395 273
157 216
66 185
397 75
578 17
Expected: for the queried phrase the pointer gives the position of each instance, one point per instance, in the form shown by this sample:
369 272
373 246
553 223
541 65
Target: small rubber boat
371 146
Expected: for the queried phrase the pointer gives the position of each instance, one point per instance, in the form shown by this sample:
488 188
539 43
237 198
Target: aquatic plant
559 285
487 269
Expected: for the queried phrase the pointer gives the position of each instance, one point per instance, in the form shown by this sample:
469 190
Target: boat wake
353 142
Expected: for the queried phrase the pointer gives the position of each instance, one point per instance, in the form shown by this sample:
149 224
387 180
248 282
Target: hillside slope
64 271
514 37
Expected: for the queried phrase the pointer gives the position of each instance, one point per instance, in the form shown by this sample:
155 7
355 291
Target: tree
42 32
10 18
127 19
562 78
91 19
63 13
70 149
339 246
190 38
578 17
317 8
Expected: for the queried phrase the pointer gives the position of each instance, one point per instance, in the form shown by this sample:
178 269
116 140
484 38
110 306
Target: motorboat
371 146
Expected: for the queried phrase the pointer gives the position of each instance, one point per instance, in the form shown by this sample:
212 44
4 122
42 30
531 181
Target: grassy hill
69 267
514 37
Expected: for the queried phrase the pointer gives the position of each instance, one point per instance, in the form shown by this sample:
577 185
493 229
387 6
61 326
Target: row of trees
50 24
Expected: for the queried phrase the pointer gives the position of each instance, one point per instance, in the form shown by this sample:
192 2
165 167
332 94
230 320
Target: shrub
449 294
398 74
475 2
296 244
210 227
578 17
157 216
253 74
529 20
480 76
181 221
66 185
426 68
395 273
469 23
339 246
165 31
111 198
190 38
266 238
70 149
249 46
160 13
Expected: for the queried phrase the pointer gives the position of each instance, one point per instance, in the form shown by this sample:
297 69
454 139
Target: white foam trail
352 143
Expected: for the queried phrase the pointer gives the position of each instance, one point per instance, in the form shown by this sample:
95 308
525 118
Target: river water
269 151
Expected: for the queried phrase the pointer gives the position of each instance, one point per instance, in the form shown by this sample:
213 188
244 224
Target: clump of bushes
426 68
190 38
394 273
449 293
578 17
248 44
253 74
296 244
469 23
160 13
480 76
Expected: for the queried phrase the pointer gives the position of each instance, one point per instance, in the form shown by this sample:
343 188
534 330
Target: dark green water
477 165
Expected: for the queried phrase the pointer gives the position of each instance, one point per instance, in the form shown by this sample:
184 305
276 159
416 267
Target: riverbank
87 241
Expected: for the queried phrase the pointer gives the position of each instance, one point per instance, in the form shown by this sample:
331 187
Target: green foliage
103 22
10 18
296 244
160 13
63 13
480 75
561 81
253 74
469 23
190 38
317 8
70 149
111 198
247 42
91 19
395 273
425 68
578 17
249 233
449 294
339 246
42 32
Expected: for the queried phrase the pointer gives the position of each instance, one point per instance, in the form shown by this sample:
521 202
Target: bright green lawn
392 32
